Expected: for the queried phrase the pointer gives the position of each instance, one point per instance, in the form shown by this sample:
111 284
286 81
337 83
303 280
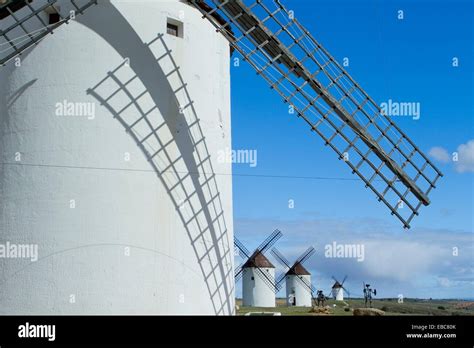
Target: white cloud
418 264
401 260
445 282
440 154
465 161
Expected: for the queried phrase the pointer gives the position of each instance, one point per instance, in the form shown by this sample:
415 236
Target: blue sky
407 60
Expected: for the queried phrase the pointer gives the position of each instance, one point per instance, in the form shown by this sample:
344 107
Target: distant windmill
338 289
299 291
258 273
368 294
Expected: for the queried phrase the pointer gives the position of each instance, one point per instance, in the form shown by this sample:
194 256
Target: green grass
389 306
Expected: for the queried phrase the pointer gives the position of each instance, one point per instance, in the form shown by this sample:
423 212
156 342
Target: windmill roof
258 260
298 269
337 285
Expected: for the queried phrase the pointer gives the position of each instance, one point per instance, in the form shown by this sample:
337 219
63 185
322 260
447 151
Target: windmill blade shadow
182 164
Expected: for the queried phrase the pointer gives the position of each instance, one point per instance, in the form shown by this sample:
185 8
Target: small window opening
253 278
174 27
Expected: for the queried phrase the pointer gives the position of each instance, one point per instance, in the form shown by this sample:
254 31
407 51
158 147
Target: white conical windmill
338 289
258 274
299 290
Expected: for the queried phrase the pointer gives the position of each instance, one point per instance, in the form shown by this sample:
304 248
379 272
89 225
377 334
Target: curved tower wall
110 132
296 287
338 294
256 292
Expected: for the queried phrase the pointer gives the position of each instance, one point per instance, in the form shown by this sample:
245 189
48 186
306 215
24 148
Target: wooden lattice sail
323 94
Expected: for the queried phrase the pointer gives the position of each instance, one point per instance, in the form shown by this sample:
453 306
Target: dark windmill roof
258 260
337 285
298 269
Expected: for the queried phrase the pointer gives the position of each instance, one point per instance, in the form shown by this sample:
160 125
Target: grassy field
390 306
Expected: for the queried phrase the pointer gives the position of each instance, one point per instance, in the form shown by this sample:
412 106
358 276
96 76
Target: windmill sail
26 22
295 269
300 69
323 94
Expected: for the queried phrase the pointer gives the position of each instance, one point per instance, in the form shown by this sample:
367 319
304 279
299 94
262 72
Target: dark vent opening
54 18
172 29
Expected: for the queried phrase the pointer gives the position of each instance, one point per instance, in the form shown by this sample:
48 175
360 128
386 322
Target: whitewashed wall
121 228
255 290
299 290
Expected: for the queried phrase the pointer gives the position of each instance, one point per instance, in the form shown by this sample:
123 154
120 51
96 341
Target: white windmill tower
299 290
110 131
338 289
258 274
145 93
